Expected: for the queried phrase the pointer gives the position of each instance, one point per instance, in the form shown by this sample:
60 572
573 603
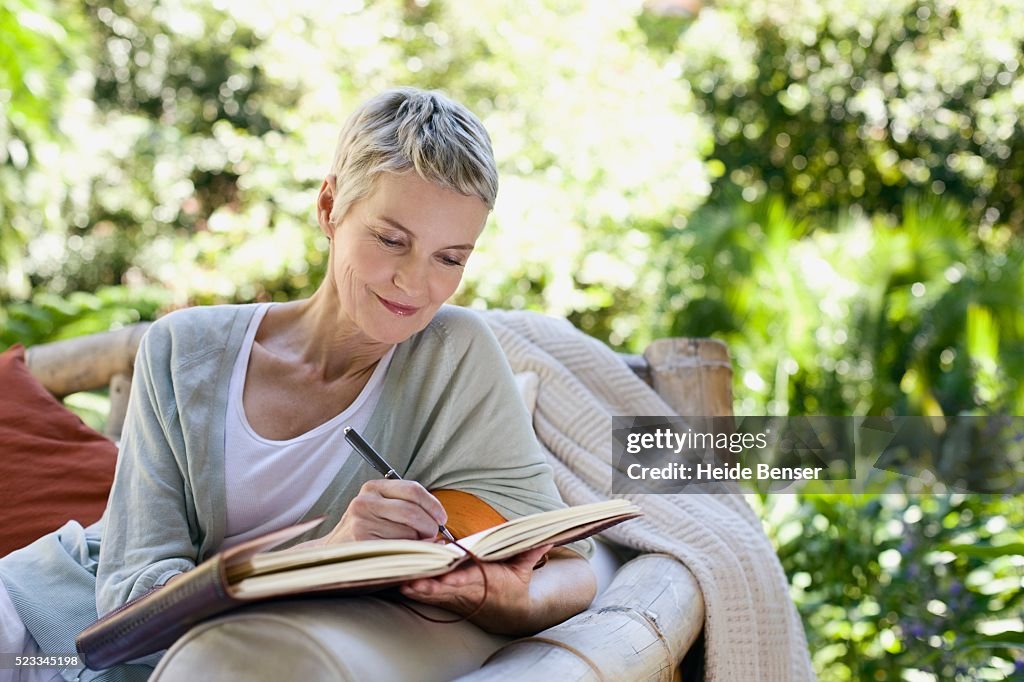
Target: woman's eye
390 243
449 260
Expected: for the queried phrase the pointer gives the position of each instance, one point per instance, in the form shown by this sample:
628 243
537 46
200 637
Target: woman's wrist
562 588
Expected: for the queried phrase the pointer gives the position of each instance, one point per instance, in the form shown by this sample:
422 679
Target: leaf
999 640
984 551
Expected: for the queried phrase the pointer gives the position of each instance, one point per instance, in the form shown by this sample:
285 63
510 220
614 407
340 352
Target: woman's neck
317 333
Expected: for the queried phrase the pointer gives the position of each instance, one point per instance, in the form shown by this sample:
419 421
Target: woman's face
399 253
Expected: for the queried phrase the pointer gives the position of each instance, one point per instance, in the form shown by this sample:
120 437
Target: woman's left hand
507 598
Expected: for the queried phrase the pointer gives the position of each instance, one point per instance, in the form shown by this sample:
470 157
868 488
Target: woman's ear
325 204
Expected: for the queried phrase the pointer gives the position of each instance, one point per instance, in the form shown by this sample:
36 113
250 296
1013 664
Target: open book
249 573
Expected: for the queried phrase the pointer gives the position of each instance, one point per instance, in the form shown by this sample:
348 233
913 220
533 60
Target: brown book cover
248 573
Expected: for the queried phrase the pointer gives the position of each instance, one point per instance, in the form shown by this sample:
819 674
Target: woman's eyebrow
399 226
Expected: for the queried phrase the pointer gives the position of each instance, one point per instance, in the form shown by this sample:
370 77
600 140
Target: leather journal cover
155 620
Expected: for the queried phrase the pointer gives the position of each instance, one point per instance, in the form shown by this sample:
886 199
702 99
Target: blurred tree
864 316
38 53
832 104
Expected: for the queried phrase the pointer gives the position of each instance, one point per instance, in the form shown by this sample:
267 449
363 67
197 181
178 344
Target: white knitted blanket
752 629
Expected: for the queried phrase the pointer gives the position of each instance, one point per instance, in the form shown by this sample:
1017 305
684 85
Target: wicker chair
640 628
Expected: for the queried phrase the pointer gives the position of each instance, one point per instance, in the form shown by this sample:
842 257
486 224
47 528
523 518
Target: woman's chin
397 329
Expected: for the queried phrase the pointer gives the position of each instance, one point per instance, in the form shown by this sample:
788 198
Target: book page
371 568
518 535
346 552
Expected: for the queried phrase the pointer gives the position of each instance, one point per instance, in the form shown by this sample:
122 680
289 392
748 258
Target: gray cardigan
449 417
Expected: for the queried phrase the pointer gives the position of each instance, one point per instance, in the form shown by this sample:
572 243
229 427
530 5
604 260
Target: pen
374 459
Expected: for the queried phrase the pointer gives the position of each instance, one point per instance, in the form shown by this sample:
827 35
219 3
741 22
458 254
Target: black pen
374 459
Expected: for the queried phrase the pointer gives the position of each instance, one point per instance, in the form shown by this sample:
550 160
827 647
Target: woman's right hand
386 508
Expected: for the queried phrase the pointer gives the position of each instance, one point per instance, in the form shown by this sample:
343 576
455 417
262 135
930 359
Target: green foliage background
833 188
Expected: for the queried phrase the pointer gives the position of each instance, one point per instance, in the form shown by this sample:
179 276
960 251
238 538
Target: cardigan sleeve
148 536
480 438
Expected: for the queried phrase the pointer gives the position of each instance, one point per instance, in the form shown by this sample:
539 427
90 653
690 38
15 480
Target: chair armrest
85 363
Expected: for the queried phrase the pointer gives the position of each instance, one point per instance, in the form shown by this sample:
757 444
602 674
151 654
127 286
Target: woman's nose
410 277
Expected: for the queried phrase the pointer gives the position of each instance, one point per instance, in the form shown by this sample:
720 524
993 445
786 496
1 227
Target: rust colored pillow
53 468
467 514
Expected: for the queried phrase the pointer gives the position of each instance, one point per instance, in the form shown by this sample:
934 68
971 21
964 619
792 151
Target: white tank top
272 483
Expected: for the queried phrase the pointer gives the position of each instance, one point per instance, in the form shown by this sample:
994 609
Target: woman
234 425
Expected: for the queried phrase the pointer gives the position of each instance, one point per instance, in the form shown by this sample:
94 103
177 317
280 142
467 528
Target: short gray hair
406 129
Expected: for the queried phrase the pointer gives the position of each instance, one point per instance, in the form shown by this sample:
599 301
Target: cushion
350 639
467 514
53 468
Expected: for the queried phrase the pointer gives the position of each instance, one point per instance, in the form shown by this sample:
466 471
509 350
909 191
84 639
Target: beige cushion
354 638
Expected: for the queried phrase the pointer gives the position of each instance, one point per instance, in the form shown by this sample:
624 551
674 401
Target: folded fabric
752 629
53 468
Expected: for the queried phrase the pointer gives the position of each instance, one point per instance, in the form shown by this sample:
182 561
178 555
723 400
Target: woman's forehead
410 203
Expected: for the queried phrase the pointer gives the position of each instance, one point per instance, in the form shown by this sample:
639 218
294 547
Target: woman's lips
397 308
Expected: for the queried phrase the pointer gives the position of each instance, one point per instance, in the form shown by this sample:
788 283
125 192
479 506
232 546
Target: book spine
155 620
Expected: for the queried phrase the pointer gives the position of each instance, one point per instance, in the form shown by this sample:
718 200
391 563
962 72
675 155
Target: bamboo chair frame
640 627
